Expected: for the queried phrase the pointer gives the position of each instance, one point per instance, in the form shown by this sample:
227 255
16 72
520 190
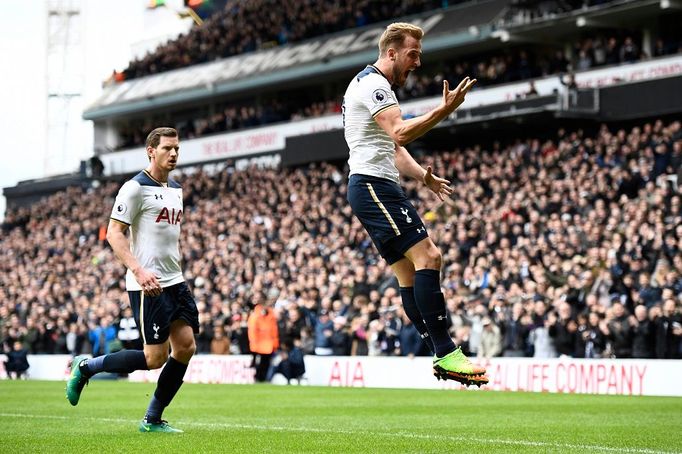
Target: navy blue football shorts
386 213
154 314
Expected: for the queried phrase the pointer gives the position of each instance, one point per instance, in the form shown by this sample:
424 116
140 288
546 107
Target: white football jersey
372 151
153 211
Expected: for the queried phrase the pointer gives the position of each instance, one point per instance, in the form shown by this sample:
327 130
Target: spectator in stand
563 331
239 335
620 331
340 339
629 52
358 329
205 335
409 339
220 344
648 294
543 345
584 61
324 329
293 323
668 331
102 335
659 49
568 80
75 339
128 333
376 338
612 51
491 340
475 318
516 329
307 341
642 333
594 337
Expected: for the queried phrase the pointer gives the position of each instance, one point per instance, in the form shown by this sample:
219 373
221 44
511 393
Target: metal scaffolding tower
65 82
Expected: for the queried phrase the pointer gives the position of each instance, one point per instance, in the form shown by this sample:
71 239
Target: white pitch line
489 441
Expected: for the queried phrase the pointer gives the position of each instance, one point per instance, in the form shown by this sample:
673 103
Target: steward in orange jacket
263 339
263 331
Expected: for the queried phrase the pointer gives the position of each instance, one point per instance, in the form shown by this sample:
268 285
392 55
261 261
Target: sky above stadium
110 33
20 110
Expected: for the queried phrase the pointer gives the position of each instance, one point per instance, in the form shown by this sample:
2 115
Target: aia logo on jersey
172 216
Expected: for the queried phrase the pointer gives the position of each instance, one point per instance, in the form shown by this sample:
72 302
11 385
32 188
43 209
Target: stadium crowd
520 63
529 62
232 117
290 21
242 26
566 246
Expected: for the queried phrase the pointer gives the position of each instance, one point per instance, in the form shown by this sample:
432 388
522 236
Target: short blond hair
395 35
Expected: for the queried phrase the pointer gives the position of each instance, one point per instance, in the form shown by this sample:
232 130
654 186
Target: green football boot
456 366
76 382
162 426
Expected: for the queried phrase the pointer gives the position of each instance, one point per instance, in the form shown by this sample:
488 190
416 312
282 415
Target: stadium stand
241 27
511 50
225 35
510 65
563 236
588 223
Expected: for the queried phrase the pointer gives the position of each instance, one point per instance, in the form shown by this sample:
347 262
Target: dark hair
154 137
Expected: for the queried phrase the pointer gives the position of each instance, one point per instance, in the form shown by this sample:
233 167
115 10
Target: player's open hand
439 186
452 99
148 281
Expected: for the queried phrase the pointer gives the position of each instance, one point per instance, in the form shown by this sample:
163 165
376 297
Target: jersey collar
393 87
163 185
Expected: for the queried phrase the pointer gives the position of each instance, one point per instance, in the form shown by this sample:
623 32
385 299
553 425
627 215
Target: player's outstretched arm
408 167
405 131
116 236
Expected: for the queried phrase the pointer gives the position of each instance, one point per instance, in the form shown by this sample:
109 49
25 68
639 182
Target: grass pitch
36 417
